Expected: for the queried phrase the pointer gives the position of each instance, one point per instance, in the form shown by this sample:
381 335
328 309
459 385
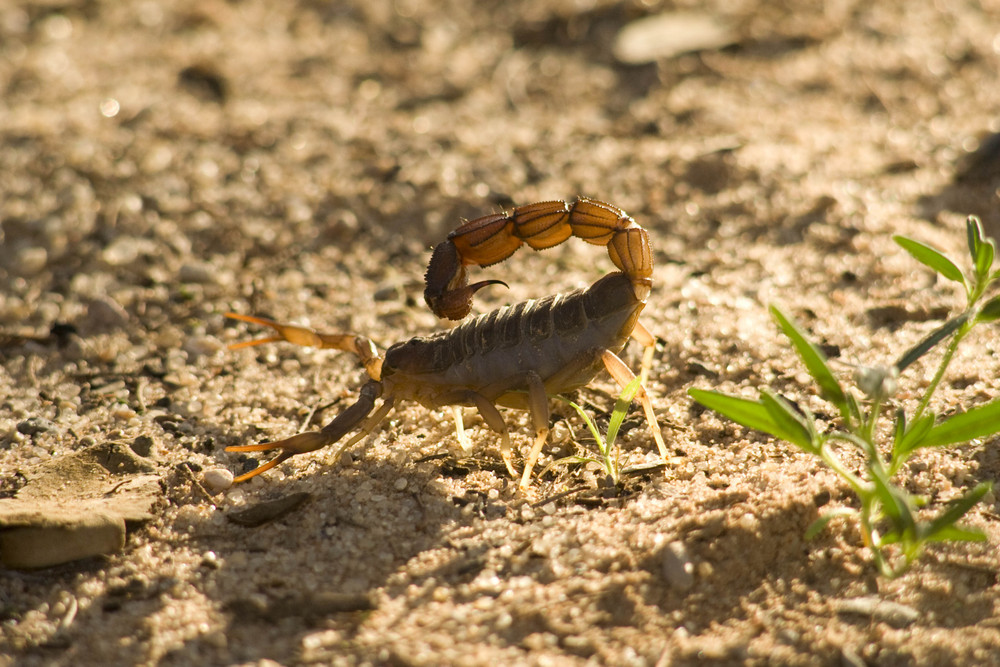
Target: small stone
103 314
893 613
387 293
157 158
123 413
30 260
201 273
123 250
678 569
200 346
217 480
35 425
670 34
143 445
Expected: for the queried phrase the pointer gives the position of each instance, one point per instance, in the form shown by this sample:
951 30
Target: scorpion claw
297 444
288 332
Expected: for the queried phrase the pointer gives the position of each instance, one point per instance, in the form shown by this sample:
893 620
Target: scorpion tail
310 441
447 292
493 238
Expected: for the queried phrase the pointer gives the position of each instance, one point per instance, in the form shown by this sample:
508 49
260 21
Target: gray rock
60 537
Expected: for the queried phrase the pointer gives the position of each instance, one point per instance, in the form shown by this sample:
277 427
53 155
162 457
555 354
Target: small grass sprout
607 445
891 521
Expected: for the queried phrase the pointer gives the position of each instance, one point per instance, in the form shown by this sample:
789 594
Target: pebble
211 560
678 569
143 445
201 273
202 346
387 293
60 541
104 314
30 260
670 34
217 480
123 250
123 413
893 613
35 425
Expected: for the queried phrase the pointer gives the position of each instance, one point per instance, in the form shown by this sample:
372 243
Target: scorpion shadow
973 189
320 565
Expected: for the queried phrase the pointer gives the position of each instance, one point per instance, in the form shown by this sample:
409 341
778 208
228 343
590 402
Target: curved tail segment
493 238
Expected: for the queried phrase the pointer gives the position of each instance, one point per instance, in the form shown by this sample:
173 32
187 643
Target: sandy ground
163 163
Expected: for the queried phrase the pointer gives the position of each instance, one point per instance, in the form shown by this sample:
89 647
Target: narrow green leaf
984 260
930 340
788 419
914 435
978 422
957 534
953 512
744 411
897 506
621 408
974 235
990 312
890 537
898 428
589 422
853 407
566 460
815 362
607 462
931 258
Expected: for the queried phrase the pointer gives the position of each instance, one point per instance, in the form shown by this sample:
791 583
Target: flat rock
73 507
43 536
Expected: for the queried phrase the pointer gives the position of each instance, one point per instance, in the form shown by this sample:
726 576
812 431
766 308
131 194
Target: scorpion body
516 356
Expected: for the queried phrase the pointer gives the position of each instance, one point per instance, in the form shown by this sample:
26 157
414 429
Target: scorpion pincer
516 356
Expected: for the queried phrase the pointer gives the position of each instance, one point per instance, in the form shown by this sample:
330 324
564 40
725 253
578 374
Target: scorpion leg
643 336
495 421
463 439
310 441
538 405
623 375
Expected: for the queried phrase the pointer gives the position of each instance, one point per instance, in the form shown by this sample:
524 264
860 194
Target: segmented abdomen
543 335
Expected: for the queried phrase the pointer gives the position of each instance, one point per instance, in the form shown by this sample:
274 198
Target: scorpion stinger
516 356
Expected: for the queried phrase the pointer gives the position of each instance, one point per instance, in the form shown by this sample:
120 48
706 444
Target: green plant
888 514
610 450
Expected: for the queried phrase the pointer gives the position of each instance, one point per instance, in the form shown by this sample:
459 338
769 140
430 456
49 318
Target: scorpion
516 356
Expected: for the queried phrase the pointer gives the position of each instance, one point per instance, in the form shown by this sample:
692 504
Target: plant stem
943 366
831 460
869 424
